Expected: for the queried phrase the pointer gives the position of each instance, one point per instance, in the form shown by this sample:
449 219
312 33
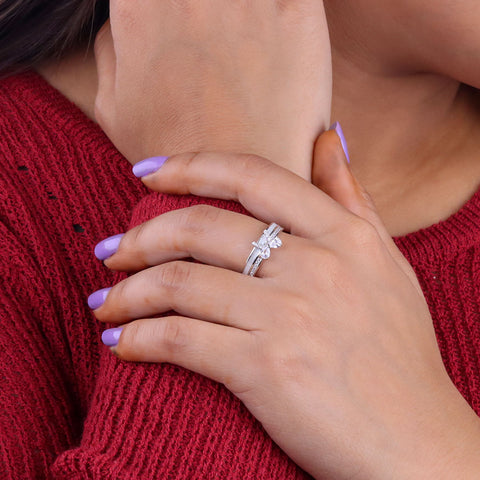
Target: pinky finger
216 351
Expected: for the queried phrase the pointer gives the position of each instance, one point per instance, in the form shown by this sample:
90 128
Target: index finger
270 192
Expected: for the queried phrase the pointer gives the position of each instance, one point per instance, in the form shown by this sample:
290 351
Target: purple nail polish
97 299
148 166
106 248
336 126
111 336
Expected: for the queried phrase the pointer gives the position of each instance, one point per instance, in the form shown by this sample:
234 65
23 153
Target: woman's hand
201 75
331 346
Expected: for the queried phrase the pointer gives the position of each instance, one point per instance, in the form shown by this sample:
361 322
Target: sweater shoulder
58 170
40 127
63 188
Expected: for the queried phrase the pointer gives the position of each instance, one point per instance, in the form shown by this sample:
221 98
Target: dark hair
32 31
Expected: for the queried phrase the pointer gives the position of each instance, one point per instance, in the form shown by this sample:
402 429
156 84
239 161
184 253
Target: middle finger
197 291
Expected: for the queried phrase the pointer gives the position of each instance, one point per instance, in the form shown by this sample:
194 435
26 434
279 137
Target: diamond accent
262 248
265 243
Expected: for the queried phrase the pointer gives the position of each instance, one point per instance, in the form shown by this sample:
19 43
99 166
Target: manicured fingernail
97 299
148 166
336 126
106 248
111 336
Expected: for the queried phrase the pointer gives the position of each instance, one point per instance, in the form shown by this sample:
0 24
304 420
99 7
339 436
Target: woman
338 358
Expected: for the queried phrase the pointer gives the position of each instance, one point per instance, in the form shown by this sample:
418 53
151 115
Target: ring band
261 249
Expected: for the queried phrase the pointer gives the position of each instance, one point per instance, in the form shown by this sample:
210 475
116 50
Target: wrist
448 448
460 458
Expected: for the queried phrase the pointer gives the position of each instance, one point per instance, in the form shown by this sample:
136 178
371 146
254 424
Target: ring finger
208 234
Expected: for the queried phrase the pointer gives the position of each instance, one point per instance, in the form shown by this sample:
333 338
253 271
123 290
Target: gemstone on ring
262 248
265 244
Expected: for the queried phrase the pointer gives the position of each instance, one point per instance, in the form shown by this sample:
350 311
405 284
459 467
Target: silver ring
261 249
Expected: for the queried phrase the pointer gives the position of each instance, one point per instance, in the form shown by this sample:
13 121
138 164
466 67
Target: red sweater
71 410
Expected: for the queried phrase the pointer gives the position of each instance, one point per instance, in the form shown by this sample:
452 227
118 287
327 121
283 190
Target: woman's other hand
203 75
331 347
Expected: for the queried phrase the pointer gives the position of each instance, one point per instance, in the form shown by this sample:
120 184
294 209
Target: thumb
330 170
331 173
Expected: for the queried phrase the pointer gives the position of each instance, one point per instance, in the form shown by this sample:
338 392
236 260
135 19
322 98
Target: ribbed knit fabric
71 410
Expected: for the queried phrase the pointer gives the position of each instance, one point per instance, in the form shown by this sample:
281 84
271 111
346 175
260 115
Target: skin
397 66
429 128
341 398
313 359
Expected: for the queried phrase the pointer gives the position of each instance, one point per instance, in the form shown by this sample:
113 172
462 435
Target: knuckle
290 366
326 260
298 309
329 271
195 220
251 164
134 239
133 253
172 335
285 360
173 276
186 163
111 307
312 255
253 170
162 338
131 341
318 265
117 302
363 234
286 365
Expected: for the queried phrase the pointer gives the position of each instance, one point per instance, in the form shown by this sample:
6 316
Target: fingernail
111 336
97 299
337 127
106 248
148 166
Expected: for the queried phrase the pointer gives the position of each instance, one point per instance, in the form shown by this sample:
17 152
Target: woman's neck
413 139
75 76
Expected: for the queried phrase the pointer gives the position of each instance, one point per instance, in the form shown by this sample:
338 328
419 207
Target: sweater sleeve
37 406
151 421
